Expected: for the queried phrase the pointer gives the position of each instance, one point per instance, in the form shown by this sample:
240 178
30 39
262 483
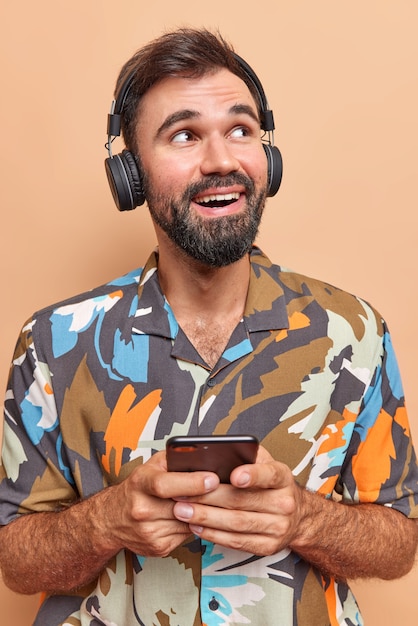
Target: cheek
168 177
256 166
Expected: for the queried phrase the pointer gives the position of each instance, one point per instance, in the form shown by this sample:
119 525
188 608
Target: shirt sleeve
381 465
32 475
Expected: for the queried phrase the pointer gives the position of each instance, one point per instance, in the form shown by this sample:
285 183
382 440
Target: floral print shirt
100 381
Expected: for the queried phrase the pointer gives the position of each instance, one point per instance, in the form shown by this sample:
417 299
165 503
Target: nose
218 157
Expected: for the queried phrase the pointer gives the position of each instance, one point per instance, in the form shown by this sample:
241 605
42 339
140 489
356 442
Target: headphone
122 169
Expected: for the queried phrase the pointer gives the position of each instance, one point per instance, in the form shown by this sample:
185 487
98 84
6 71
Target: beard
215 241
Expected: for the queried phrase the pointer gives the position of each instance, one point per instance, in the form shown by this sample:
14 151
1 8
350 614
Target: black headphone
122 169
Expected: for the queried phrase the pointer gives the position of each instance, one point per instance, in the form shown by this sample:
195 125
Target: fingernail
185 511
243 479
210 483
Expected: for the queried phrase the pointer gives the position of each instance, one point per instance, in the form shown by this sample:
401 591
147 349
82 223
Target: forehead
219 90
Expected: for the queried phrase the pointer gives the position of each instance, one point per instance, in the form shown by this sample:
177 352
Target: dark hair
187 52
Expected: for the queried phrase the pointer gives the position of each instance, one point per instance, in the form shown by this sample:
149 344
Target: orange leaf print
127 423
296 321
331 600
372 464
335 435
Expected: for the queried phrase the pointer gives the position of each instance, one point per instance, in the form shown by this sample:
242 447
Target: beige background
342 80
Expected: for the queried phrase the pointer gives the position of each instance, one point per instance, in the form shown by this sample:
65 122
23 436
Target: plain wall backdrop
342 80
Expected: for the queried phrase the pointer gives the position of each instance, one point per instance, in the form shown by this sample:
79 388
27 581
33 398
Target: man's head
191 119
187 52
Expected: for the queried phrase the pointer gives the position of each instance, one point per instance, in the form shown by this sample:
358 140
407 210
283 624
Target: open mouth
218 200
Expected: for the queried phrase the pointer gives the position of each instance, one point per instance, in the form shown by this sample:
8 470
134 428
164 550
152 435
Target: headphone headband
122 171
267 119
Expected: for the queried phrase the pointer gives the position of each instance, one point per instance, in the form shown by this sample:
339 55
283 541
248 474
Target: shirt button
211 382
214 604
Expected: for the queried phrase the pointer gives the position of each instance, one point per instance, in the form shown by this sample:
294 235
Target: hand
259 512
139 511
68 549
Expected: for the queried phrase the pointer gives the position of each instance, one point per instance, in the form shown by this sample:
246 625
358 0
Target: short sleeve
381 465
32 475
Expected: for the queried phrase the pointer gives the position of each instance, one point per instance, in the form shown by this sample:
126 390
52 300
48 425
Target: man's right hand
138 513
68 549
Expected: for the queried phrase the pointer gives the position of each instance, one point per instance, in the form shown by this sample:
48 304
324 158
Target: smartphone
214 453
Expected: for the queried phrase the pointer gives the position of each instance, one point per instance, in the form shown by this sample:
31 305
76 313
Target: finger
152 479
177 485
158 539
241 530
267 474
261 545
214 517
227 497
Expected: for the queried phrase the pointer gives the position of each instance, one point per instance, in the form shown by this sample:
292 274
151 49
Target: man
209 338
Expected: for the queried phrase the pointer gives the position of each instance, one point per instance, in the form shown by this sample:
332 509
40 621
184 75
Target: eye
240 131
182 136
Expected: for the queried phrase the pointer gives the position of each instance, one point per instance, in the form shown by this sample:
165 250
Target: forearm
60 552
56 552
355 541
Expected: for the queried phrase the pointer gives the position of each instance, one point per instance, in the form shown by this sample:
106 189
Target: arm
265 511
380 541
68 549
55 552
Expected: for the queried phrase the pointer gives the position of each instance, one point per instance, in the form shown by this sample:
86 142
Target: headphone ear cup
274 168
134 176
125 181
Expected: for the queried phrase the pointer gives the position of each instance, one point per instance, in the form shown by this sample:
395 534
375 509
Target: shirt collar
265 308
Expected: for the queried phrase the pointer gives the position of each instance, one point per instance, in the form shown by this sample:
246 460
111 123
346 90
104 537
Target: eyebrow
190 114
178 116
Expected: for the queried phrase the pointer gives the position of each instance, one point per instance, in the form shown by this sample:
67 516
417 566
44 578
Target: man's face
204 167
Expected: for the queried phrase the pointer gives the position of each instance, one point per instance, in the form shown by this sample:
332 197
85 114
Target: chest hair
209 337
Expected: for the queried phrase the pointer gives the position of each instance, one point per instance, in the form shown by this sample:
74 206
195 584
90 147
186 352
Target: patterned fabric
100 381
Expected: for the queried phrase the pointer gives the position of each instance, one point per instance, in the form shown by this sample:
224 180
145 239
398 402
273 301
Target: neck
193 289
207 302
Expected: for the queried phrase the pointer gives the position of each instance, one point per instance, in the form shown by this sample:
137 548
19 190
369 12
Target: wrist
104 512
312 508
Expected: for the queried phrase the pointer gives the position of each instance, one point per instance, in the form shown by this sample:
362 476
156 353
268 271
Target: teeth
219 197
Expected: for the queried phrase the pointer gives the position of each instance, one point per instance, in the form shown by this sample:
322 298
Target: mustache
235 178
